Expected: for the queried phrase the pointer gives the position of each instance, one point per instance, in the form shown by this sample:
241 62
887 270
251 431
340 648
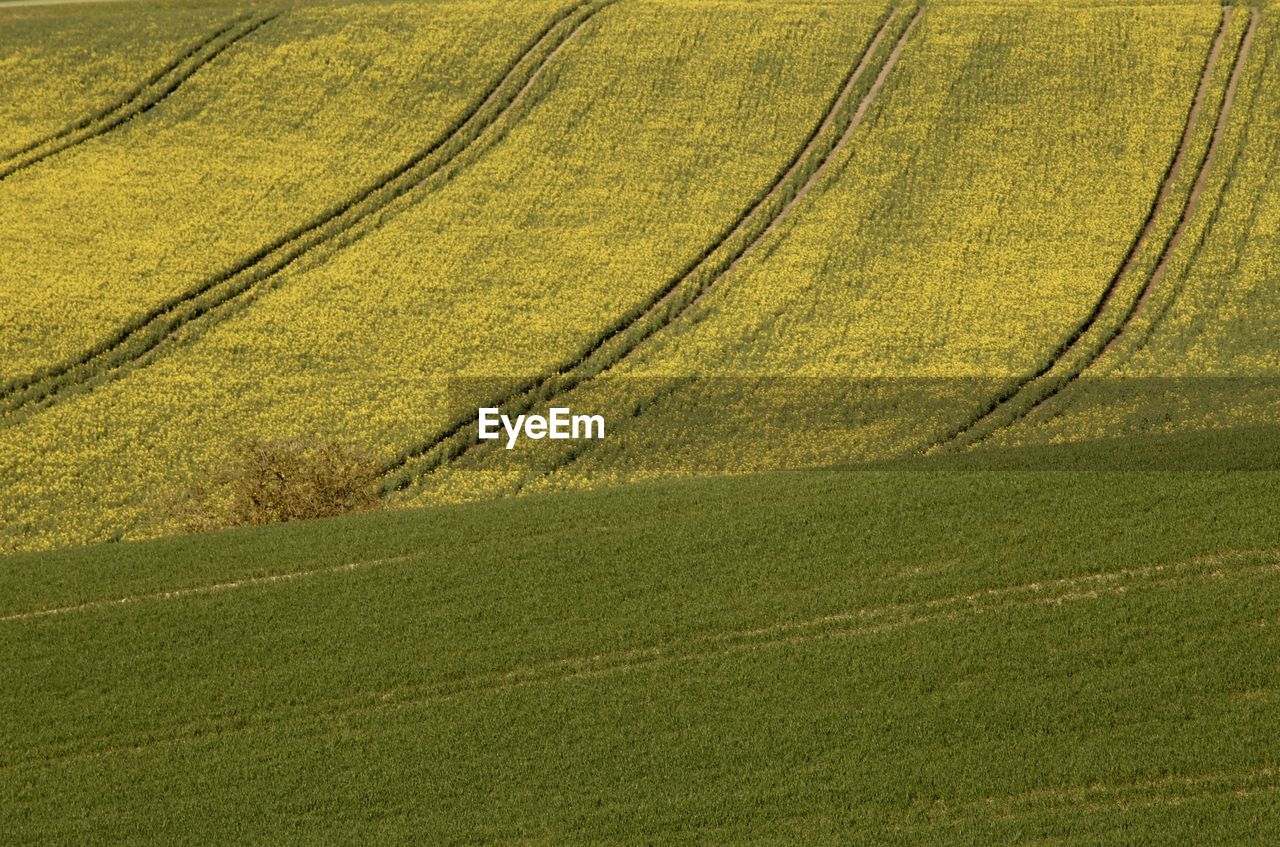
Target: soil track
678 295
1084 347
1197 189
197 590
142 98
1083 800
850 623
146 337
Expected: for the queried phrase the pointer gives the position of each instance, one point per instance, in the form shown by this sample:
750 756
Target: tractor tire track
1211 228
146 337
144 97
1096 798
1033 391
679 294
1197 189
866 621
199 590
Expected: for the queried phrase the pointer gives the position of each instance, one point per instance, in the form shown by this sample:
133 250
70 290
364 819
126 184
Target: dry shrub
277 480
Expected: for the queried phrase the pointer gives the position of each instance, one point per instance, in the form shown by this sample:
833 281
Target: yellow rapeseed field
58 66
282 125
639 150
973 221
1200 353
1002 165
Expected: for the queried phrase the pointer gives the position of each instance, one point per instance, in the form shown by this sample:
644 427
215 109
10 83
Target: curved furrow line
147 336
679 294
141 99
1099 798
1109 318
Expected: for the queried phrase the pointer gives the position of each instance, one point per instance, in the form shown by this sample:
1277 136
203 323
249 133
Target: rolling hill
798 234
897 657
936 346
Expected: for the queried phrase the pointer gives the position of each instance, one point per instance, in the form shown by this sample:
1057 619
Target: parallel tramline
1129 289
752 381
146 96
583 206
77 66
292 124
144 337
797 235
671 301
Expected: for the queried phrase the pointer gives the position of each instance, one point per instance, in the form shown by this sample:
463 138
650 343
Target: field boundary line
1073 795
361 564
867 620
23 4
1081 348
196 590
676 296
864 621
144 97
142 339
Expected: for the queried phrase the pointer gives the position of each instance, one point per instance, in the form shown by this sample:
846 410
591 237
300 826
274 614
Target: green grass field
887 657
937 346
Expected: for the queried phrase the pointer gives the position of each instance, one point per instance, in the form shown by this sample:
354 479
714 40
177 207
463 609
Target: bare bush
277 480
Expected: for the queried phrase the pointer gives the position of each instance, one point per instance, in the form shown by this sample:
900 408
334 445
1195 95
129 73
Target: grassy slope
896 658
920 657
